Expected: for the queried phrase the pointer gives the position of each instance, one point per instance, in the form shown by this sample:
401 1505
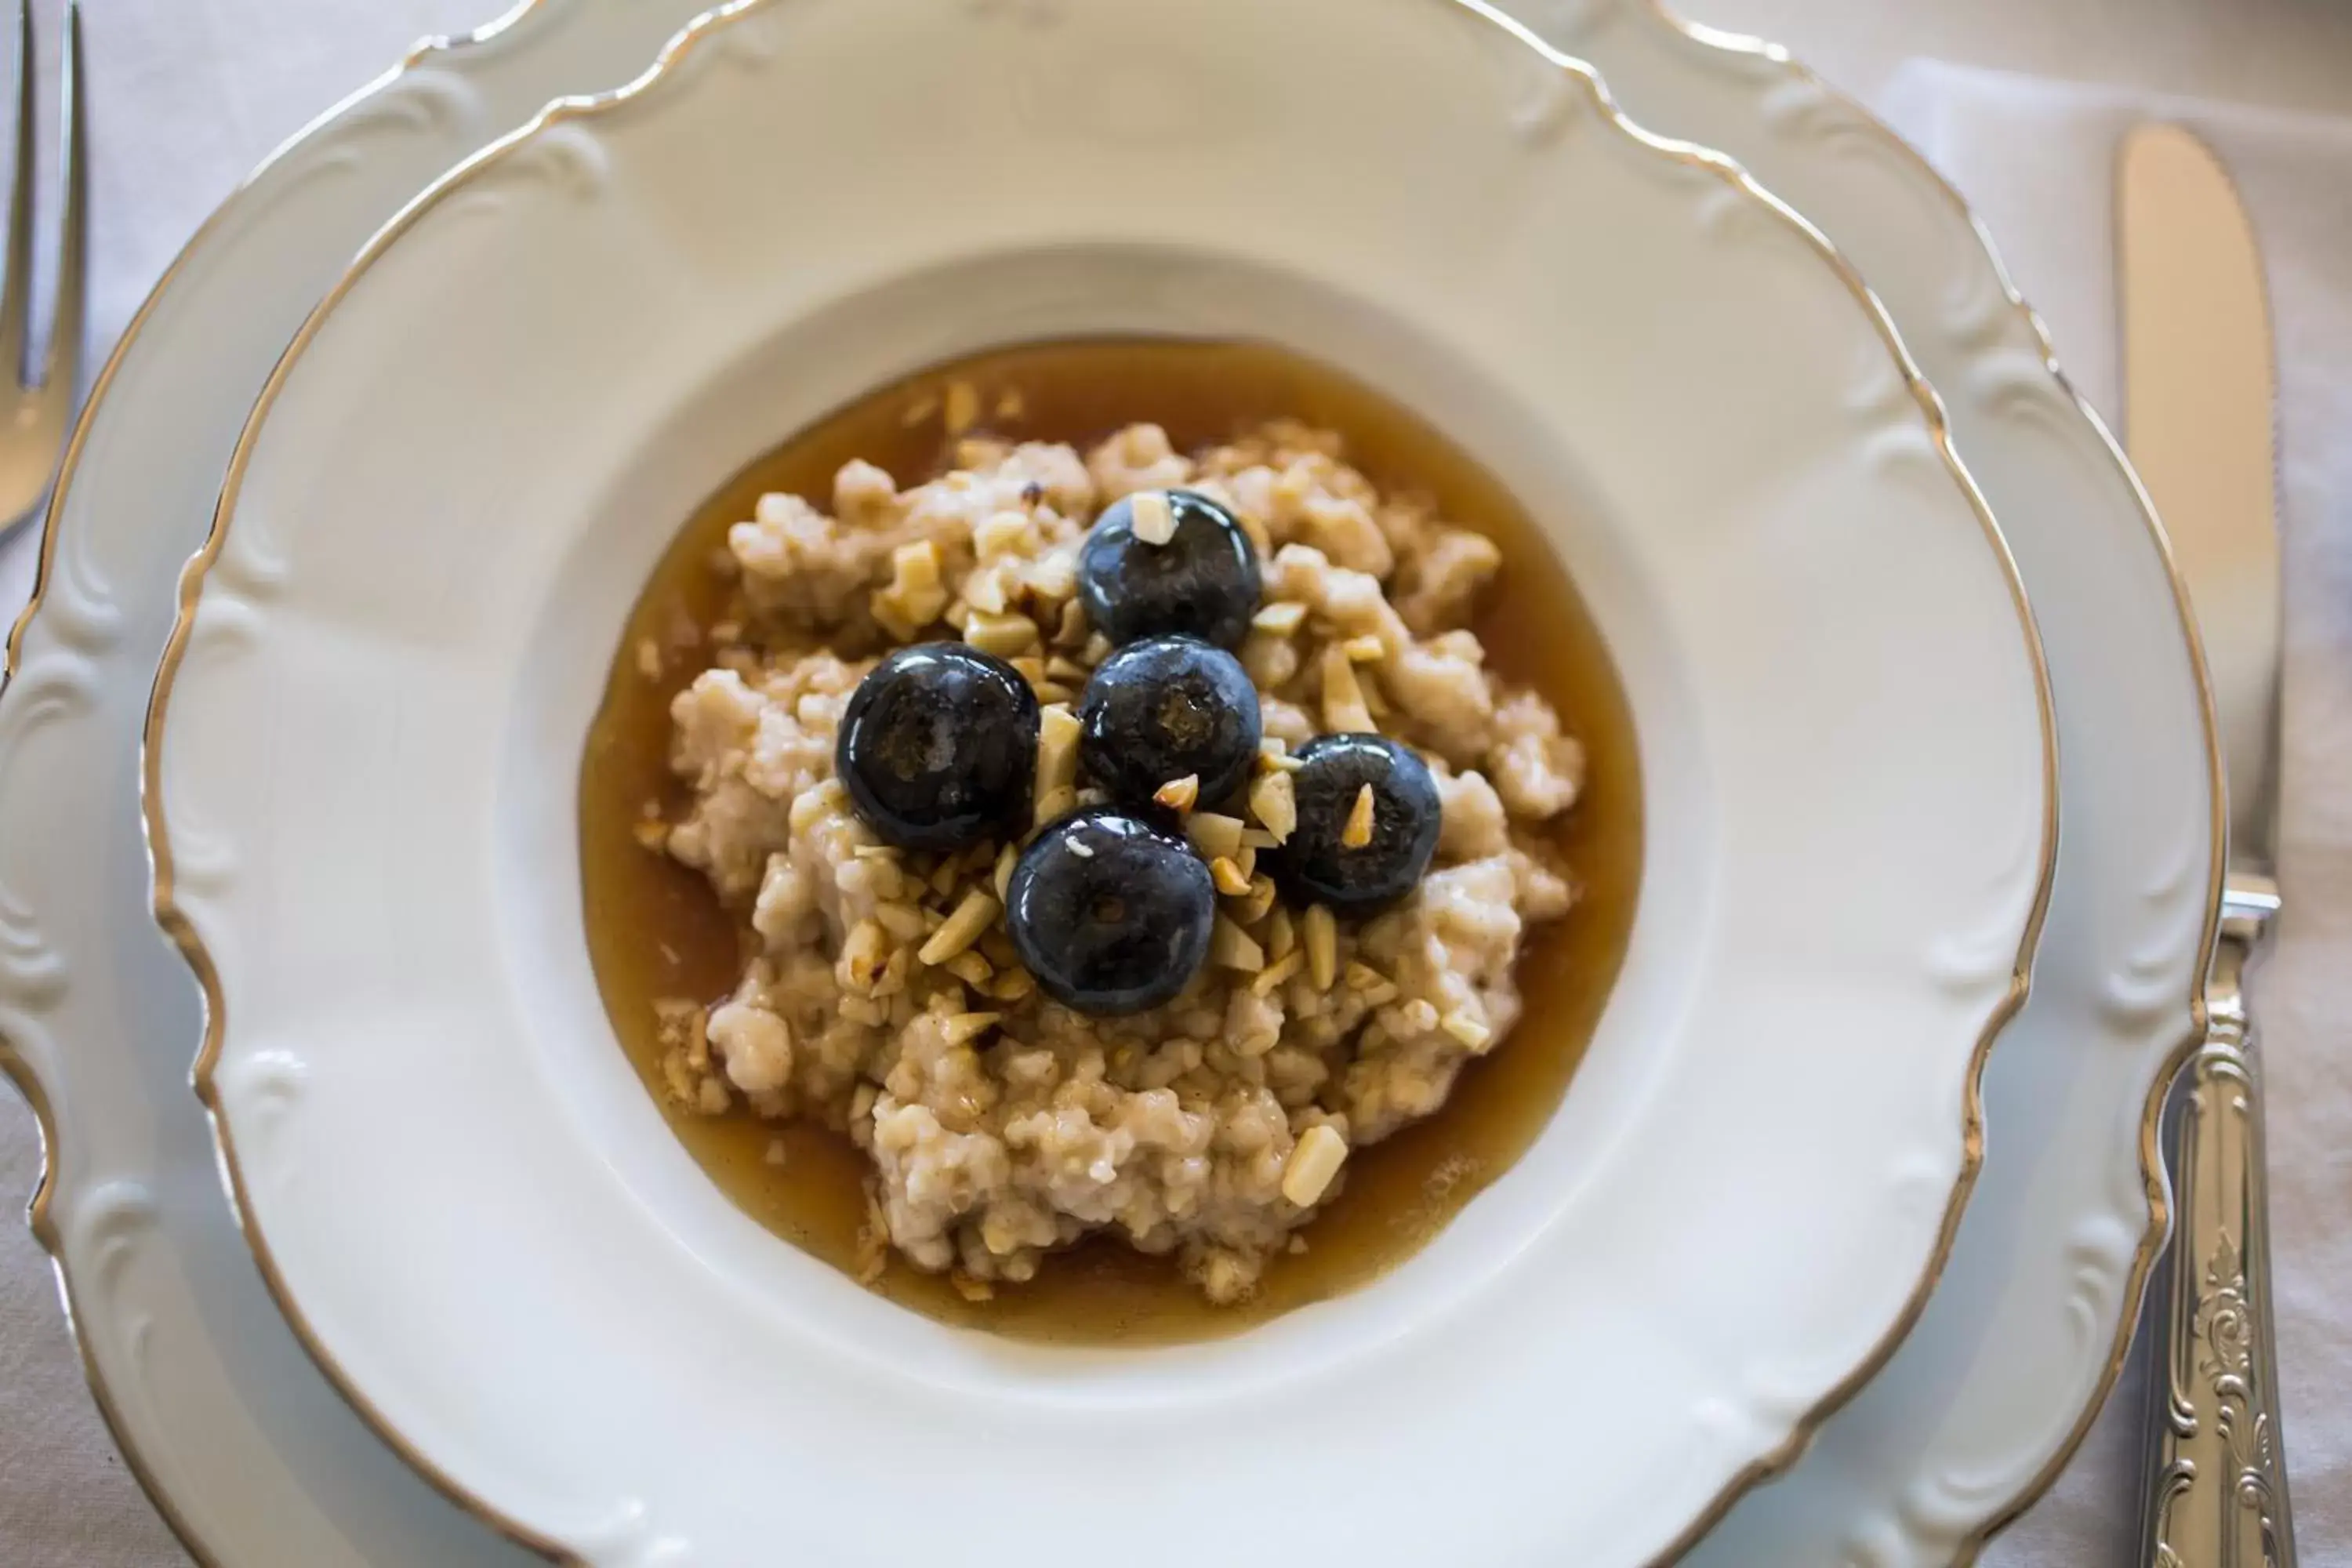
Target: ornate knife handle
2215 1493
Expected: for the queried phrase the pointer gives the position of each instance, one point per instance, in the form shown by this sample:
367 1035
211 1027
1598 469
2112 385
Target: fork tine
63 363
17 291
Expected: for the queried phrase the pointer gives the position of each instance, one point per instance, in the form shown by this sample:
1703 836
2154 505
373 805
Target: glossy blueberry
1202 582
1110 912
1314 866
1158 709
938 746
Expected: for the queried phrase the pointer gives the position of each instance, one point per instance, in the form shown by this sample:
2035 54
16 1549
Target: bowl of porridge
1196 777
1128 1172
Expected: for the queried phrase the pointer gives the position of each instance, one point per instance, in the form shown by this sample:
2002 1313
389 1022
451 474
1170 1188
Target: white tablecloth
186 95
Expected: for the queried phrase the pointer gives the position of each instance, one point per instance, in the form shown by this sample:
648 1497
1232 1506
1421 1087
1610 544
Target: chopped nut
963 1028
1246 860
1306 1174
1230 879
1177 794
1013 985
1343 697
1058 750
904 921
985 592
1055 802
1004 533
963 407
1260 900
1357 831
1420 1015
972 1287
1029 667
1060 668
1213 834
1004 864
972 917
653 836
865 954
921 409
1277 972
1274 801
1466 1028
1097 649
1072 630
1234 948
1272 756
1051 691
1154 518
1010 404
1257 839
1365 649
863 1010
1281 619
894 974
1003 634
649 659
1361 976
970 968
775 1153
943 880
914 565
1281 933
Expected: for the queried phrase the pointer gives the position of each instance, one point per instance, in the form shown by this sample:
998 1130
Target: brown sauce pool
655 928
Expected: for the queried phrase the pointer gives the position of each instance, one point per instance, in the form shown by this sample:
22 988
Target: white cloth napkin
2036 159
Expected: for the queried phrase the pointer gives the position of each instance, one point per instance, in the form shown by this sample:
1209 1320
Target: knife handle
2215 1491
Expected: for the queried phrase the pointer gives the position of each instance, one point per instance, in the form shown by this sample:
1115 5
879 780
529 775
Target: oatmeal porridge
1118 834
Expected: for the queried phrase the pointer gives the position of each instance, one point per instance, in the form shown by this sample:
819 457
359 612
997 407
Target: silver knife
2198 394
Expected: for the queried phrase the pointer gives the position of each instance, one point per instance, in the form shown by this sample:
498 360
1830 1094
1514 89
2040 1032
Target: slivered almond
974 915
1154 520
1214 834
1274 801
1307 1175
1234 948
1343 699
1357 831
1280 618
1178 795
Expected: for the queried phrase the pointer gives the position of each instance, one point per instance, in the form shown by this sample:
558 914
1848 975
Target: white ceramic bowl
368 728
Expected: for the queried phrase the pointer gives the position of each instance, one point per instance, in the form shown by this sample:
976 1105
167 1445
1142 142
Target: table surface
186 95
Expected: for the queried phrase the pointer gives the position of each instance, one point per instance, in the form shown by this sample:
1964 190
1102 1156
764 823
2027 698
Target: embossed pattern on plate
1995 1388
245 1449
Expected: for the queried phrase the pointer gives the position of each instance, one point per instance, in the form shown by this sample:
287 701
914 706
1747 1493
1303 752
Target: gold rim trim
178 928
2152 1181
15 1065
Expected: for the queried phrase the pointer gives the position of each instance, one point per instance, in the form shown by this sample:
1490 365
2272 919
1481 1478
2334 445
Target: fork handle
2215 1491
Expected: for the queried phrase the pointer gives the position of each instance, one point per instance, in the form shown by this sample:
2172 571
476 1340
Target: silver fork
38 405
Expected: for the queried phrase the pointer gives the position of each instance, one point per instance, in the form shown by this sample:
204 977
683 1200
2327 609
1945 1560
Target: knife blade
2199 383
2198 415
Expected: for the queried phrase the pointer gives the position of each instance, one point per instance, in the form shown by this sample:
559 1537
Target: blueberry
1203 582
1159 710
938 746
1110 913
1314 866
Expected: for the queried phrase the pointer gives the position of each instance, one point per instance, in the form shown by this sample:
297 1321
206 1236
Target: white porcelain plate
367 735
1993 1392
245 1448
